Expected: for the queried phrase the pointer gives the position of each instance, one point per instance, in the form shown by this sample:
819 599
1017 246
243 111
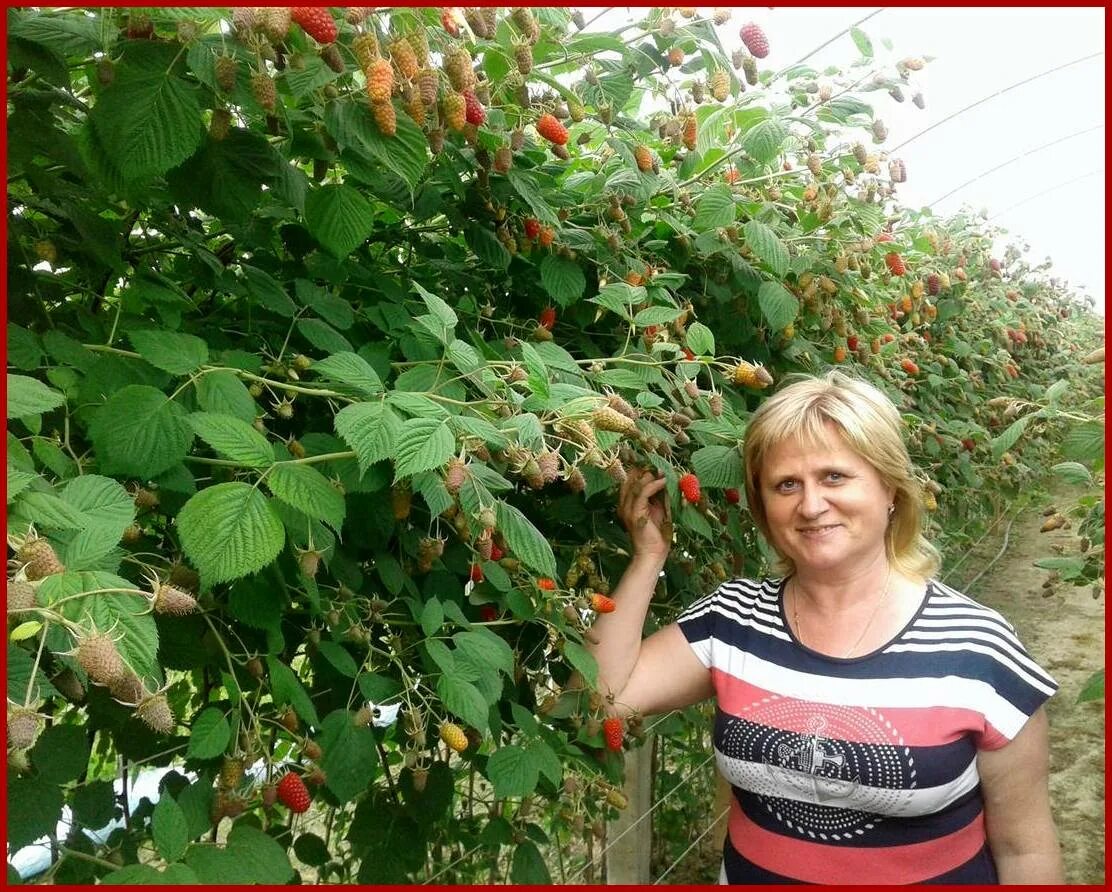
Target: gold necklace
864 631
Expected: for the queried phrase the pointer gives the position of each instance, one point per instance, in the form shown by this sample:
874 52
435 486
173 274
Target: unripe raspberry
21 596
455 111
24 726
365 47
380 81
172 601
549 465
264 91
428 85
715 401
155 712
98 656
225 69
220 124
457 65
39 559
385 117
719 84
401 51
453 735
575 480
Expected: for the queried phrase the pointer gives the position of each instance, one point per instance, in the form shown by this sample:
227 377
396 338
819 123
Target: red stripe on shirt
917 726
814 862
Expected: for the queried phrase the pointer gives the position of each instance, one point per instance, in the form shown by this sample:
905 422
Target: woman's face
827 508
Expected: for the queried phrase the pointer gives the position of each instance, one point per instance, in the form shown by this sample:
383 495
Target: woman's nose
813 503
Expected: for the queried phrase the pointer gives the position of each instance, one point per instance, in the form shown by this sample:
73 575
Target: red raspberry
449 22
883 237
547 236
895 264
546 585
552 130
488 613
968 444
476 573
910 367
547 318
644 158
496 553
852 342
934 284
293 793
754 39
317 23
475 112
532 227
689 486
733 496
602 603
613 731
688 355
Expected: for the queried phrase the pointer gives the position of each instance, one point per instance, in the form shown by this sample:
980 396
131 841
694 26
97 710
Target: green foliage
305 373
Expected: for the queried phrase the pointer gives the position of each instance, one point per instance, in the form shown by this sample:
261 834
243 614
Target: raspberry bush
329 346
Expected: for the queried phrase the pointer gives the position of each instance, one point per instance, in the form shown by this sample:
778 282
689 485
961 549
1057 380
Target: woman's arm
1018 821
662 672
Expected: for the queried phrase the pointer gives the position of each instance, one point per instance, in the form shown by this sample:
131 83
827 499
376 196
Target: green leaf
286 687
528 867
48 510
1068 567
94 803
233 438
224 393
620 297
715 208
268 291
147 122
171 351
864 45
764 139
169 828
1094 688
370 429
778 305
463 699
768 248
431 618
438 307
582 661
20 667
210 735
259 854
1085 443
351 370
406 153
61 754
1073 472
108 510
229 530
514 772
563 279
18 481
309 491
323 336
526 186
140 432
487 648
719 466
341 660
486 246
34 808
422 445
525 540
700 339
29 396
339 218
1009 437
656 316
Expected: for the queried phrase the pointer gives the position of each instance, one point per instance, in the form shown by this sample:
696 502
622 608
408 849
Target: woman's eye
836 476
785 485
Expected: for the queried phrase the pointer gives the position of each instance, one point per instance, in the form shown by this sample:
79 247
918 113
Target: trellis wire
993 96
651 809
827 43
453 864
1083 176
999 554
991 170
698 840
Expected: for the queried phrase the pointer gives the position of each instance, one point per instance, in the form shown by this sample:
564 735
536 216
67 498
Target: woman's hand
644 510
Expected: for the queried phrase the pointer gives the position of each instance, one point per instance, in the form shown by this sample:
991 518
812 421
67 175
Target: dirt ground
1064 632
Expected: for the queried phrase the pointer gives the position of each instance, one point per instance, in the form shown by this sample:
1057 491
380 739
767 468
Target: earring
891 510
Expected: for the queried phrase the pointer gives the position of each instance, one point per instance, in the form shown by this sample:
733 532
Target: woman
875 725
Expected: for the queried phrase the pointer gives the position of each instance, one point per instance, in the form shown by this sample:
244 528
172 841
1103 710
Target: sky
1051 200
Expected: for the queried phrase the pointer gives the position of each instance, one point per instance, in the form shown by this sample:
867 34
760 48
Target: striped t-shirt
860 770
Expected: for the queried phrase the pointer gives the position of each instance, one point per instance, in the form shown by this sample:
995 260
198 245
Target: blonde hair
871 426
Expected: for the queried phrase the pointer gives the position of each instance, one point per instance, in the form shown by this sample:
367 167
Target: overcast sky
977 52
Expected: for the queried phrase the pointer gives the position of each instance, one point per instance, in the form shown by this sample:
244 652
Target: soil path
1063 629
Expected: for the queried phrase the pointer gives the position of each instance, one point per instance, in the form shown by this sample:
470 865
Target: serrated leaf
582 661
406 153
331 307
338 217
224 393
864 45
233 438
29 396
514 772
286 687
487 648
620 298
48 510
718 467
764 139
209 735
259 855
370 429
1085 443
715 208
528 867
422 445
352 370
323 336
463 699
341 660
350 759
525 540
1010 436
1073 472
437 307
140 432
229 530
171 351
148 123
656 316
21 666
1094 688
767 246
308 490
700 339
268 291
486 246
169 828
526 186
778 305
563 279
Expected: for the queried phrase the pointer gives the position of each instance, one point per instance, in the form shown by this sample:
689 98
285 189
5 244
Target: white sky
977 52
